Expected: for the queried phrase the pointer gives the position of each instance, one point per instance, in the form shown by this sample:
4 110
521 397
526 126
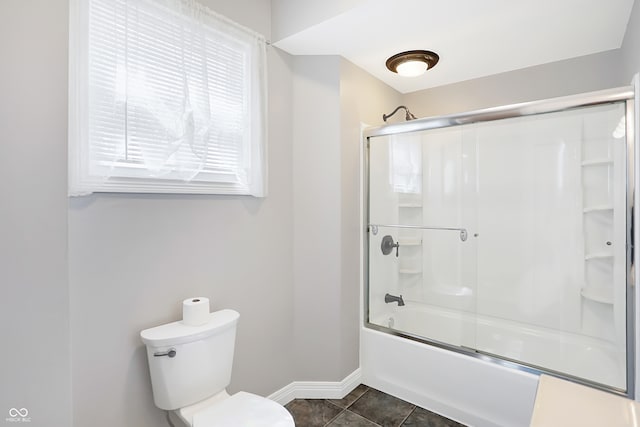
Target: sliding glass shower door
506 238
417 194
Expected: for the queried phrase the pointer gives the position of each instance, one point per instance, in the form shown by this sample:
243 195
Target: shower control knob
387 245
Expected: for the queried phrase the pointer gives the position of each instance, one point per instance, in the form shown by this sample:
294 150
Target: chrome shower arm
408 115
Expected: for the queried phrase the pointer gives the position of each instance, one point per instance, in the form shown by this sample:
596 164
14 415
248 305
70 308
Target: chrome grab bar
463 231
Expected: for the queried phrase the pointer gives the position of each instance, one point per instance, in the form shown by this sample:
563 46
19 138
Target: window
165 97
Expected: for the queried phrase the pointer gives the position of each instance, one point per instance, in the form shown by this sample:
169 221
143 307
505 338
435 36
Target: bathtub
474 390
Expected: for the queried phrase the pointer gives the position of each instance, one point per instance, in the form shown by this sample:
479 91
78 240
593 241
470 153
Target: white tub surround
535 346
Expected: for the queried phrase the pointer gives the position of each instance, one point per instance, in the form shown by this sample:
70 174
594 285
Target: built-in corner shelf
597 294
410 207
598 208
599 211
598 255
597 162
409 271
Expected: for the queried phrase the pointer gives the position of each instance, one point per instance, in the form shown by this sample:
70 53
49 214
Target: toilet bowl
241 409
190 368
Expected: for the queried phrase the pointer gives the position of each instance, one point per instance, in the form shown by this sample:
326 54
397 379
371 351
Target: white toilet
190 369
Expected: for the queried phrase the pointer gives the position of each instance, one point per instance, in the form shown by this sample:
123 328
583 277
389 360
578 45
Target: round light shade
411 68
413 62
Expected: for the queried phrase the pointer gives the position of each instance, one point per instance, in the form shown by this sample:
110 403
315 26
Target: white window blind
166 96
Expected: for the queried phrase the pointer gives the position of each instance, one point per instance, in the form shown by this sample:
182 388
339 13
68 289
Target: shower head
408 115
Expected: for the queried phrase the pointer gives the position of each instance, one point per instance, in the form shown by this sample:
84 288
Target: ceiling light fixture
412 63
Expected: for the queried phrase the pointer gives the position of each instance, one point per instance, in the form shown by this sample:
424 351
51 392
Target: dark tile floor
364 407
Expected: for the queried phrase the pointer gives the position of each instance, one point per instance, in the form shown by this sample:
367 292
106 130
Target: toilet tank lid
178 333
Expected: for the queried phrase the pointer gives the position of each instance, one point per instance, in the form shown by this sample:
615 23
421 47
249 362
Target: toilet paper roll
195 311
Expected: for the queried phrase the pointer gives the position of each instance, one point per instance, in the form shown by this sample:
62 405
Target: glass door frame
624 94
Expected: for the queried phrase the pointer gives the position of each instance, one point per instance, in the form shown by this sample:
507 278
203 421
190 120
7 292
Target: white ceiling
474 38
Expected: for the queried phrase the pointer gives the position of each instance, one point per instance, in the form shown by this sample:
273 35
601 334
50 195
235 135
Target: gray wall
316 216
363 99
34 304
134 258
332 97
571 76
631 46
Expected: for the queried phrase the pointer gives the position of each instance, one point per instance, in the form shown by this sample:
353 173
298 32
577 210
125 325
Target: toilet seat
244 410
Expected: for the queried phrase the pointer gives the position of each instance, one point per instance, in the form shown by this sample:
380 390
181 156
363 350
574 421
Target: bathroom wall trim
317 389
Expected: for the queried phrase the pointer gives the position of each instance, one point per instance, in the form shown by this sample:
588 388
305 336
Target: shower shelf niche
409 212
598 255
409 271
597 162
598 294
599 208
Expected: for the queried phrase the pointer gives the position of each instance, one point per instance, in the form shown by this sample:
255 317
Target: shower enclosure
505 234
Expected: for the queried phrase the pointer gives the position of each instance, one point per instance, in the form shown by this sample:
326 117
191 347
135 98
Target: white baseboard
317 389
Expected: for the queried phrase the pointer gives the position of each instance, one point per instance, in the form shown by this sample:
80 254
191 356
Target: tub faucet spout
392 298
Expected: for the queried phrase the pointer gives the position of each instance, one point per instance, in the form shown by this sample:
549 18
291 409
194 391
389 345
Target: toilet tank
190 363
